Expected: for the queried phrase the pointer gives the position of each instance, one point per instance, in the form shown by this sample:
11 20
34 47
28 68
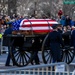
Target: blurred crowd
65 20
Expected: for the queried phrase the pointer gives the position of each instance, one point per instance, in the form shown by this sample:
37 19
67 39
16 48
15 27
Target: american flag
35 25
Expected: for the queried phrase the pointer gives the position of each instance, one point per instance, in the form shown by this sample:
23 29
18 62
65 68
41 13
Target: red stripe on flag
35 25
41 31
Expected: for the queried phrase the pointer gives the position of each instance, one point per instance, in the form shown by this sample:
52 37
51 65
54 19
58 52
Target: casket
33 26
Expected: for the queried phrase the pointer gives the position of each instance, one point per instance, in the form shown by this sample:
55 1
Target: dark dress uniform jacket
8 31
73 38
55 40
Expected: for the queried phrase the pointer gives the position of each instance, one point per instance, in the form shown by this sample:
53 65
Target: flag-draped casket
37 26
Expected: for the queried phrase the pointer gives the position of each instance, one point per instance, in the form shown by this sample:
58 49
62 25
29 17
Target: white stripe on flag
35 28
27 23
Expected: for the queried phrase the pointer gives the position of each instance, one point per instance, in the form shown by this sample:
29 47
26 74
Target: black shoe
37 63
14 65
7 65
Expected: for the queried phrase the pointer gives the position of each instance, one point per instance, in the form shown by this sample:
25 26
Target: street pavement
3 58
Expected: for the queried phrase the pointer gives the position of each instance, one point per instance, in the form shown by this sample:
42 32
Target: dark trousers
56 52
8 58
35 57
74 47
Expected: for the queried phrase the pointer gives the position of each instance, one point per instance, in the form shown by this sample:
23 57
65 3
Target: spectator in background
33 17
60 28
67 35
62 21
0 42
1 22
72 23
67 21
